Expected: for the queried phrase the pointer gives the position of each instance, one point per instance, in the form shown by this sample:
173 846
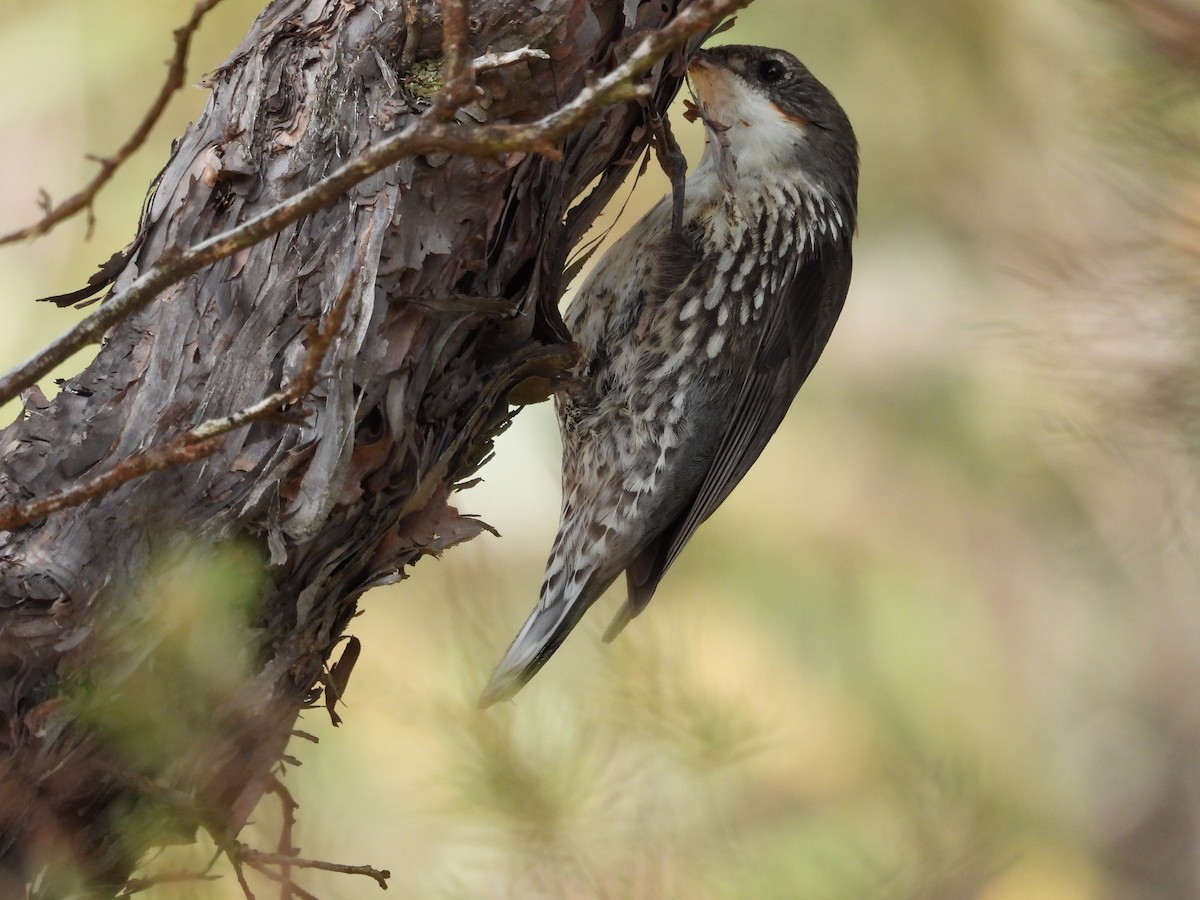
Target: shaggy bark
451 268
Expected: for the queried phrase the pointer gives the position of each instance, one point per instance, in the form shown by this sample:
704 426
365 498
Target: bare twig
286 846
458 73
177 452
259 860
421 136
234 854
413 26
493 60
300 892
83 199
204 439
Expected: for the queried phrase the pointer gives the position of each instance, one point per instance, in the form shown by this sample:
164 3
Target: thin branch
258 859
234 854
178 452
207 437
83 199
286 846
300 892
420 137
412 32
493 60
458 74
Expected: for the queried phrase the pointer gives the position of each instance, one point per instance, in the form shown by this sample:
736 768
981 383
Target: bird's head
776 118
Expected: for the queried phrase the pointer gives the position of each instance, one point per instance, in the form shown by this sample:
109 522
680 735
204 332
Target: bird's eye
771 71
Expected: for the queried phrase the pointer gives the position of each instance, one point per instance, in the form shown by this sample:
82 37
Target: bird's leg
554 371
673 162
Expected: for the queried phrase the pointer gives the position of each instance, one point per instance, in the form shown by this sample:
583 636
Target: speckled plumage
695 342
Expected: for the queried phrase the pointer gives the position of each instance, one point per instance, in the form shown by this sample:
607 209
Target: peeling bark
455 266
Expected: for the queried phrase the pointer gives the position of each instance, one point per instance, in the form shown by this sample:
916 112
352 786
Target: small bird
695 340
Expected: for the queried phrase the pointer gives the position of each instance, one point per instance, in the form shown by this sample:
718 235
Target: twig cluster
423 135
83 199
280 865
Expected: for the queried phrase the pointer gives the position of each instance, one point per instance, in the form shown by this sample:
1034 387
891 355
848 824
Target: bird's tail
562 604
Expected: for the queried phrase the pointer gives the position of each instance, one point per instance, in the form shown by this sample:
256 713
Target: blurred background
944 640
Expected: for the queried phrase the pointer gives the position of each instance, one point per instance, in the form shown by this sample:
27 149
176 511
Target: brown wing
793 338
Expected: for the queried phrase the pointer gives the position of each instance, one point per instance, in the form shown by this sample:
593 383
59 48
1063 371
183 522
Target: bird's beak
703 71
704 60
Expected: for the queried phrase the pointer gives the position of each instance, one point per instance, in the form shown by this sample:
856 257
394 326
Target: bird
694 336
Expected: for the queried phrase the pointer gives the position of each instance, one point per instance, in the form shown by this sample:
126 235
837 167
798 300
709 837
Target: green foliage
176 655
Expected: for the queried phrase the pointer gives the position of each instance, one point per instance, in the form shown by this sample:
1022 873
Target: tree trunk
454 269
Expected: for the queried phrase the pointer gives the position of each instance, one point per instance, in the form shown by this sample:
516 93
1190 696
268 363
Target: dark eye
771 71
